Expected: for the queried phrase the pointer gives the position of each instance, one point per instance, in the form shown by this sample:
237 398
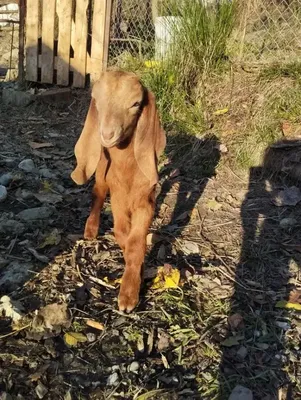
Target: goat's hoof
91 232
128 298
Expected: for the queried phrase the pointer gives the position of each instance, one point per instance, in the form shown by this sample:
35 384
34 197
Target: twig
15 331
101 282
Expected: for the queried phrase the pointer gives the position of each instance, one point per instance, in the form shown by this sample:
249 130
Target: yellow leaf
285 304
95 324
214 205
221 112
72 338
167 278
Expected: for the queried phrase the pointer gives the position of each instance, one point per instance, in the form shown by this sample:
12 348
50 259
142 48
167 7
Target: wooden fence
66 40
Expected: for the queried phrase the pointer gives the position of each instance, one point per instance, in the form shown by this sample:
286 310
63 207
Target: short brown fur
122 140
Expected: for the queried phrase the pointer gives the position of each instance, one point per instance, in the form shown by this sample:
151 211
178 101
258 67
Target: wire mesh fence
266 31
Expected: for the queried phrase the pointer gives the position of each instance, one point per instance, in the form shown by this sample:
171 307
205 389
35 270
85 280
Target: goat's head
120 107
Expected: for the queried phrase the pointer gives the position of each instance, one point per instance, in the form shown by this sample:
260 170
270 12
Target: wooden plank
32 17
47 41
22 16
98 32
80 45
64 42
107 35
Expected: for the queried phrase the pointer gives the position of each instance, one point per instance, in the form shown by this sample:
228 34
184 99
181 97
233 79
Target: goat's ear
149 139
88 147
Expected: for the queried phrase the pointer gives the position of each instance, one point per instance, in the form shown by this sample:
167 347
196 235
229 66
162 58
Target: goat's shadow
191 163
269 257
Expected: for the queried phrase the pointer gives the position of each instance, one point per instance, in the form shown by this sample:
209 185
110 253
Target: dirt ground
221 325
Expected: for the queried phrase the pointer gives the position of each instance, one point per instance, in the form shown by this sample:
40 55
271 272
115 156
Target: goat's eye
137 104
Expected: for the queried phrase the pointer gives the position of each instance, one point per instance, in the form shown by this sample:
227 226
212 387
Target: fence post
22 16
106 42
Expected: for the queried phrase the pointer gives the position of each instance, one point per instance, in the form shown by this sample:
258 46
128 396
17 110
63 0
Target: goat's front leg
100 191
134 254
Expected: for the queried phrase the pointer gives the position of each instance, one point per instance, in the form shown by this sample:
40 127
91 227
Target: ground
233 235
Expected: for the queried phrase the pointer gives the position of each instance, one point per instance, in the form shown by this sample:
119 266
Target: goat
122 140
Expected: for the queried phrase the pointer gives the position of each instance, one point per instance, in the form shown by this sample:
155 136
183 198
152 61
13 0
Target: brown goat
122 140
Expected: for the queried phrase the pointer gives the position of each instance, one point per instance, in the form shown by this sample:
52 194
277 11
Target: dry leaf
190 248
96 325
165 362
295 296
232 341
52 239
167 278
235 321
286 304
72 338
36 145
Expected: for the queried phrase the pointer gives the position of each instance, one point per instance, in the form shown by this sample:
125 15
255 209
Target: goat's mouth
110 143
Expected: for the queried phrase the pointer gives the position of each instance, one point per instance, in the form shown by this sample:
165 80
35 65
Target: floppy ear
149 139
88 148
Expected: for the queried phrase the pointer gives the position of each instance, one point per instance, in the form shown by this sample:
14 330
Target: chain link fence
266 31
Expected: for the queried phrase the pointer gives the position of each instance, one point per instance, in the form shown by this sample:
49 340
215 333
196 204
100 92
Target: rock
41 390
32 214
287 223
11 309
5 179
27 165
241 393
242 353
15 274
24 194
17 97
3 193
134 366
49 198
11 227
113 379
46 173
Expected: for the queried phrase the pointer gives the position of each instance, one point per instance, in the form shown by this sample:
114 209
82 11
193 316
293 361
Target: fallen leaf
167 278
165 362
190 247
39 373
232 341
36 145
52 239
221 112
295 296
286 304
51 316
73 338
96 325
49 198
38 256
288 197
235 321
214 205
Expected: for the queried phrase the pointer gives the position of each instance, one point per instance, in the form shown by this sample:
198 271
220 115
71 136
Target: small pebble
113 379
3 193
41 390
134 366
46 173
5 179
91 337
27 165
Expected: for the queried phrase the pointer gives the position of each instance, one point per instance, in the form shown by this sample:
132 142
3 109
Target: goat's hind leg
100 191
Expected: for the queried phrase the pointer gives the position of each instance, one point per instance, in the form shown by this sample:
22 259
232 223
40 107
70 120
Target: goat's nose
108 135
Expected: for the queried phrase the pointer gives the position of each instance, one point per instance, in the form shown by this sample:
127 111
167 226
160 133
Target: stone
242 353
27 165
45 173
113 379
54 95
15 274
134 366
32 214
3 193
11 227
241 393
41 390
17 97
6 179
